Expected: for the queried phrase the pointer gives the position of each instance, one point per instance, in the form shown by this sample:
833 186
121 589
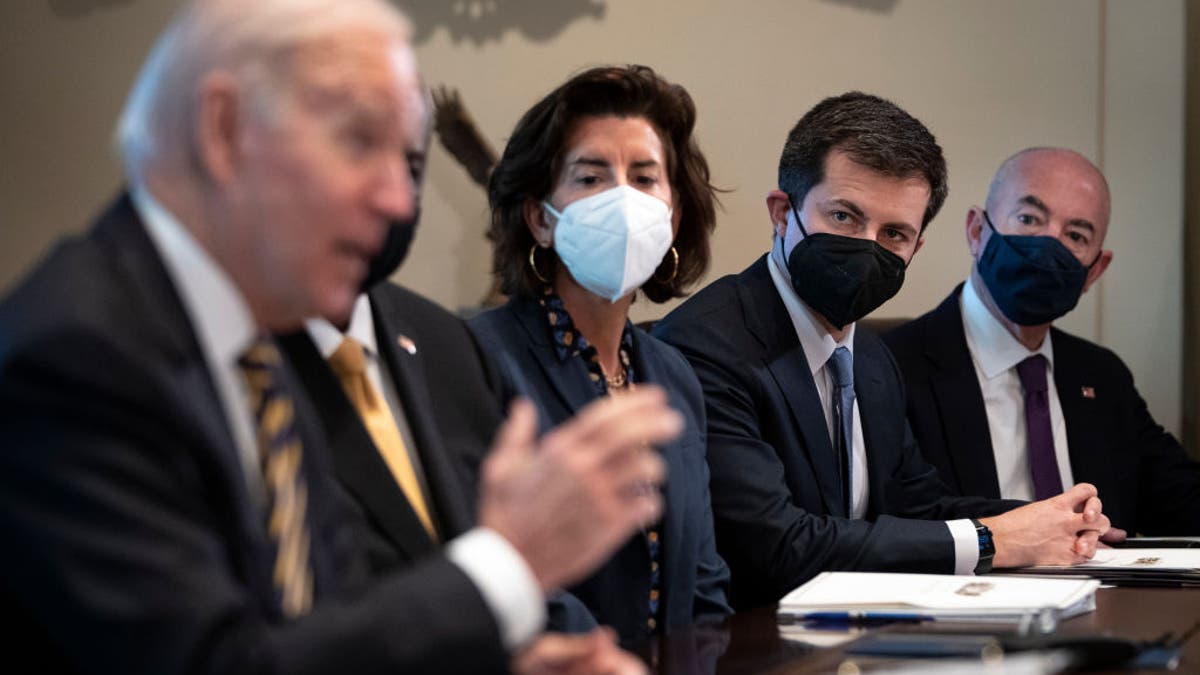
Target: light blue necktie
841 368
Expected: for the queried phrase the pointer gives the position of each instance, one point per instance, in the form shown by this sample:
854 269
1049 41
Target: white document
938 596
1145 559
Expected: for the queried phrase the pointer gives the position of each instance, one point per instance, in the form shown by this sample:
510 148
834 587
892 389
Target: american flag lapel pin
1088 392
406 344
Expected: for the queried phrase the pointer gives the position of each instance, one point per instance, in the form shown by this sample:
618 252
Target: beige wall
987 77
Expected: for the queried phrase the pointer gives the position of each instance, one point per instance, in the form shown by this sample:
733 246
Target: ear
217 127
975 230
1097 269
779 205
539 226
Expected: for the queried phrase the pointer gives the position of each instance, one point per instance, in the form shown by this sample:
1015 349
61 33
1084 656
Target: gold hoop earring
533 265
674 267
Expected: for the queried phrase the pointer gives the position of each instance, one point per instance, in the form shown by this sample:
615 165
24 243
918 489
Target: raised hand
567 504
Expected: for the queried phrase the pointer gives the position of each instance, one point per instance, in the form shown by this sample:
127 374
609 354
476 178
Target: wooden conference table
750 642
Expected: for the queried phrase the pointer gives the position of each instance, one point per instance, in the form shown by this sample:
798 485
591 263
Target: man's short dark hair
533 159
873 132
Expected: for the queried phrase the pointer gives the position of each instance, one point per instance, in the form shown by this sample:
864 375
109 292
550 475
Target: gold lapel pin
406 344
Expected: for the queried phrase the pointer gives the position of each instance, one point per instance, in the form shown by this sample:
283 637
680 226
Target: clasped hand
1062 530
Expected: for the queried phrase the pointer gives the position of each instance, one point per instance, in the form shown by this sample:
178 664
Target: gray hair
247 38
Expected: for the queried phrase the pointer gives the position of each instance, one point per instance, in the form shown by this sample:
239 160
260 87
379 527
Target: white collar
994 348
817 343
220 316
362 329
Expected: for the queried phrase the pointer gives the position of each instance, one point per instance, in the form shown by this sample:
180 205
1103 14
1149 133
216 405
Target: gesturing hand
590 483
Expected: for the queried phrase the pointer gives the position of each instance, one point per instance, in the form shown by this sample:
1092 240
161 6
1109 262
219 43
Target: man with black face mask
813 465
1005 405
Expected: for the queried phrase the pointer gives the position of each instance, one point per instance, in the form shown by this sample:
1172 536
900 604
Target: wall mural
480 21
881 6
73 9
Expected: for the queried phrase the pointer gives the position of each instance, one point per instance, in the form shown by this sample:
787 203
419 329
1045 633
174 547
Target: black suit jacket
777 496
450 396
136 546
693 578
1146 480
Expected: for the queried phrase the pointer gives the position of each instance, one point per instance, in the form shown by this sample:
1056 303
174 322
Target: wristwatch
987 547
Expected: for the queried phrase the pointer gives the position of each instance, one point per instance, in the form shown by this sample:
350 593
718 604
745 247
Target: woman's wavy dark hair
534 156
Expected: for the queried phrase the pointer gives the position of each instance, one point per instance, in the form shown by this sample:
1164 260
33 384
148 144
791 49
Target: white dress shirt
221 320
818 347
225 328
995 354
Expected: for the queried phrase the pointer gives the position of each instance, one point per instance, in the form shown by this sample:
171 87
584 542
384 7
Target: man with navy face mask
1005 405
812 464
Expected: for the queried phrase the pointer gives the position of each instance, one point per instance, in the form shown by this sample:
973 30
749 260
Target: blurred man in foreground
162 476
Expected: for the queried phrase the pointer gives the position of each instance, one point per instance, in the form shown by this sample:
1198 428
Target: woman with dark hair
602 192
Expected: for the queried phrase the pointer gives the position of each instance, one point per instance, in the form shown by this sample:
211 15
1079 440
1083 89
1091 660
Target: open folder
870 596
1134 567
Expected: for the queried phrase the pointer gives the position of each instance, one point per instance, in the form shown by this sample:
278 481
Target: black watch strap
987 547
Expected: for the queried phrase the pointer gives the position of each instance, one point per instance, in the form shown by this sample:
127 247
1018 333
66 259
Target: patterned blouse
569 343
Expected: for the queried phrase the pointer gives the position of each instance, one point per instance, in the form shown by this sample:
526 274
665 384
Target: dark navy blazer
1146 480
694 577
777 497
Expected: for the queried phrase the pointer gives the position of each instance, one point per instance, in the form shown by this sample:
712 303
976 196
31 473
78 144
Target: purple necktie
1043 464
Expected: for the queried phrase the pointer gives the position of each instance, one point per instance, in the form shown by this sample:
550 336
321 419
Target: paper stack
1134 567
870 596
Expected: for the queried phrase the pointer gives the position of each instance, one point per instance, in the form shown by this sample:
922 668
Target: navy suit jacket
693 578
136 545
777 496
1146 480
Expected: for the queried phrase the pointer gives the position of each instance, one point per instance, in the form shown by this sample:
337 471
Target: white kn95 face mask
612 242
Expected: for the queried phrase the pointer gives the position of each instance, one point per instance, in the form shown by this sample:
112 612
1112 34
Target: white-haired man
163 484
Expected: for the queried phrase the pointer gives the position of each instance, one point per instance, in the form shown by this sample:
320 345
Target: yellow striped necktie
281 455
350 364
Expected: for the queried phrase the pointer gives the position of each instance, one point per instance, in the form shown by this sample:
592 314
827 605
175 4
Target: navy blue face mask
1032 279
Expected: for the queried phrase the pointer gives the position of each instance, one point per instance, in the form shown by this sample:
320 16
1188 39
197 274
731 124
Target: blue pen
860 618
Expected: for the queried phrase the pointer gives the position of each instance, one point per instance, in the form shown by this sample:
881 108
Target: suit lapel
1084 433
785 359
570 378
647 365
870 395
401 352
959 401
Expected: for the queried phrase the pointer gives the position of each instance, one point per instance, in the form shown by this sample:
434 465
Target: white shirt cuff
966 545
505 582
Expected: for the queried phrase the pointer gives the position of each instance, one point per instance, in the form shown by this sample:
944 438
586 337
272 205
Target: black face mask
1032 279
395 248
843 278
